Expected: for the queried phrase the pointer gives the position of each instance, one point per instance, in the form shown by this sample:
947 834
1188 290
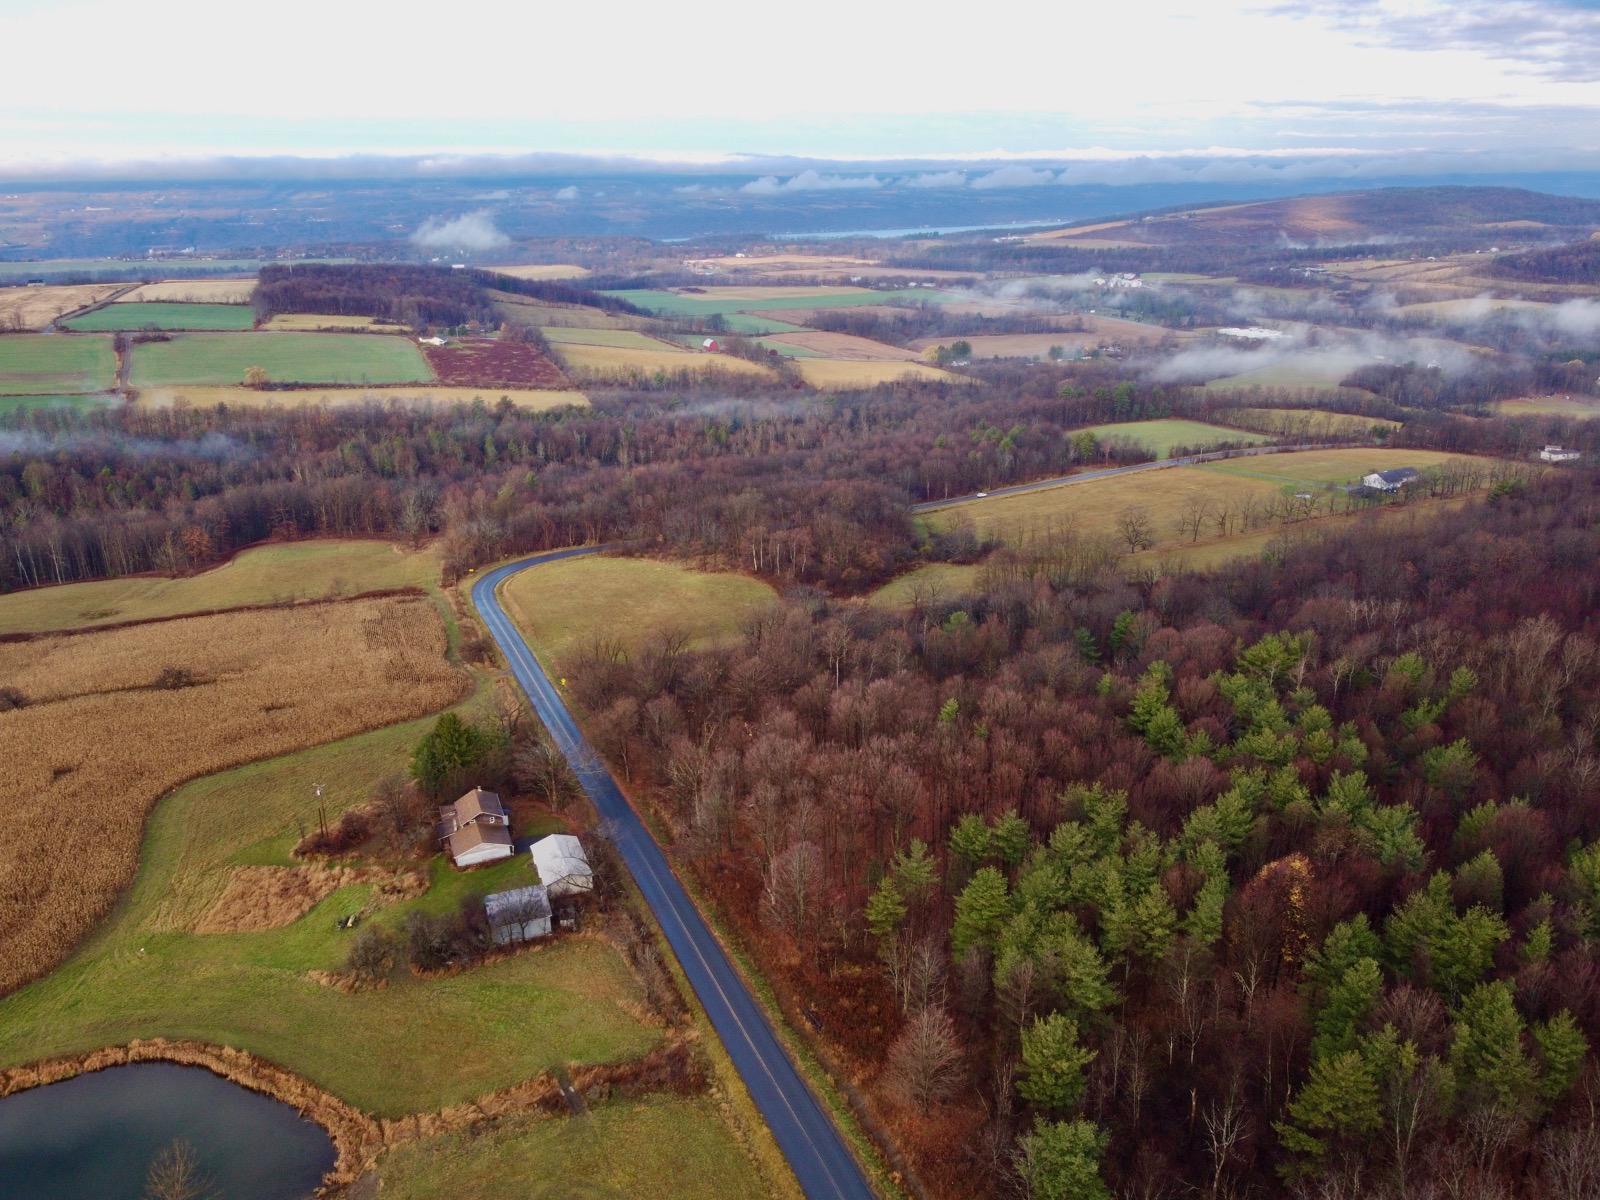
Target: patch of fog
1251 333
470 231
213 447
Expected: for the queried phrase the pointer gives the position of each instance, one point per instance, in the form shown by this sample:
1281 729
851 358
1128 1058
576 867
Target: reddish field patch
491 362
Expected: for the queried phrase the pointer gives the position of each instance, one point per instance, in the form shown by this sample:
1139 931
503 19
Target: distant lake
93 1137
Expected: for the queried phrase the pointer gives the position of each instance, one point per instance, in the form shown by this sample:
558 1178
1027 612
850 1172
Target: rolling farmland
223 358
113 720
624 362
36 364
209 396
1161 436
836 373
163 315
193 291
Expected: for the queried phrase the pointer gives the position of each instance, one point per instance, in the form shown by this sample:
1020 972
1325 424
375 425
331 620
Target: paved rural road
814 1147
1158 465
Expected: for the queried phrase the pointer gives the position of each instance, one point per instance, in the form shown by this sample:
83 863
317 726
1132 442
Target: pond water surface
93 1137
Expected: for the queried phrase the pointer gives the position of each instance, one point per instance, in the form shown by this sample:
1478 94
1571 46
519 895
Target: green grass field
264 575
41 364
223 358
936 581
560 606
668 1148
415 1046
559 335
1310 423
164 316
1162 436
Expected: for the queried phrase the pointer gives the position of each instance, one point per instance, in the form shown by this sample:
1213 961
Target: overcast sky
1499 83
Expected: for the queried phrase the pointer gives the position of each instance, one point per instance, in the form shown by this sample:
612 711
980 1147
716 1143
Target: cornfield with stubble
114 720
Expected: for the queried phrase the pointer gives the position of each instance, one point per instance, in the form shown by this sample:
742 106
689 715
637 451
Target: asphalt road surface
813 1145
1084 477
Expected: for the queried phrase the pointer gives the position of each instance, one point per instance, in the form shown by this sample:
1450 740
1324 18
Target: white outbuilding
519 915
561 864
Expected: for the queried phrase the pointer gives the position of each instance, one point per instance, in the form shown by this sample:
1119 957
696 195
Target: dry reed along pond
113 720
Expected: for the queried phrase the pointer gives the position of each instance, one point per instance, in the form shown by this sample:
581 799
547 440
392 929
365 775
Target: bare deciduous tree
175 1175
925 1061
1136 528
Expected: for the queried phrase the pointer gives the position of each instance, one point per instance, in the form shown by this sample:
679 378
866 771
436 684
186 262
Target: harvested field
193 291
1310 424
328 323
561 607
622 362
491 363
543 312
257 898
39 364
115 317
100 739
727 300
25 309
1241 486
279 574
532 399
542 271
1550 406
834 373
222 358
843 346
1162 436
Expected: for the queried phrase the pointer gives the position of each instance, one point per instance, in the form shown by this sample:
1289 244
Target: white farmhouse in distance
561 864
1391 481
1559 454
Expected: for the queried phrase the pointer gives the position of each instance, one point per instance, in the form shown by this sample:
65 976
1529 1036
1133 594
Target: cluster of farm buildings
476 829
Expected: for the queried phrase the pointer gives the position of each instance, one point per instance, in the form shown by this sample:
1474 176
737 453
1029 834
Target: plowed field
491 362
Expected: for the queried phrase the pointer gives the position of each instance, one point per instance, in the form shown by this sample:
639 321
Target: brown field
194 291
492 363
836 373
1549 406
96 745
579 316
532 399
257 898
844 346
1016 345
28 309
322 322
622 362
543 271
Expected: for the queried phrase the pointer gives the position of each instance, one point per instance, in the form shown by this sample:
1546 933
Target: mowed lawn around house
562 606
42 364
223 358
415 1046
664 1147
1162 435
163 316
262 575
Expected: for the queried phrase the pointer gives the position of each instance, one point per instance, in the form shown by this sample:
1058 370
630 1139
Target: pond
96 1135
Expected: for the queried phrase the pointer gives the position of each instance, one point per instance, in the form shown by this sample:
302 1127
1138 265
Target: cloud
1557 40
212 447
570 192
471 231
809 180
938 179
1016 176
1579 318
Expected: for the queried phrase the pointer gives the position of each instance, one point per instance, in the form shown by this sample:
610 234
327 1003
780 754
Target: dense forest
1282 880
1576 263
418 296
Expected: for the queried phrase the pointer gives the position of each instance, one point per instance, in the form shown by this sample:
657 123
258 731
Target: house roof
558 857
1398 475
478 803
470 837
519 904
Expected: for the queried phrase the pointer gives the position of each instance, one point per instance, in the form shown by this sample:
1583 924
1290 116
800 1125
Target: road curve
1154 465
804 1132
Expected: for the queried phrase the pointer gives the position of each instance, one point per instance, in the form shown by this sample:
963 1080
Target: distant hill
1356 218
